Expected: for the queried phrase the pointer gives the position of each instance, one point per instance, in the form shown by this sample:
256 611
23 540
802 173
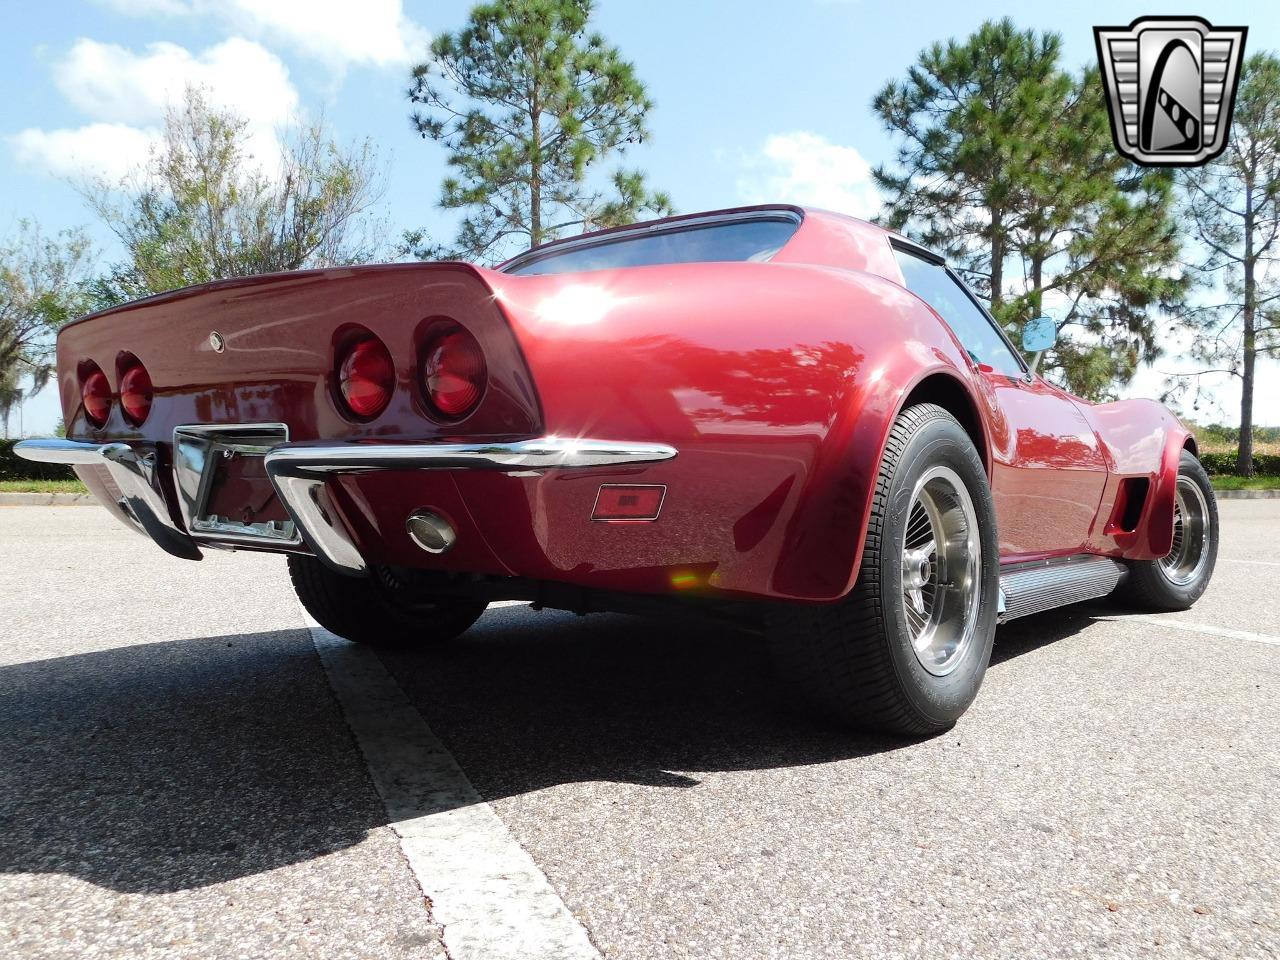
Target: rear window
736 240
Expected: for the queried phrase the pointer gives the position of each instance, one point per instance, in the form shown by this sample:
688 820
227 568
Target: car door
1047 470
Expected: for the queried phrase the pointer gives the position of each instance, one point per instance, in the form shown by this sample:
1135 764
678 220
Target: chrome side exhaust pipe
1031 588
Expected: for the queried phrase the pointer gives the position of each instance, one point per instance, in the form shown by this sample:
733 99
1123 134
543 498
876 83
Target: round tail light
453 371
366 377
95 392
136 394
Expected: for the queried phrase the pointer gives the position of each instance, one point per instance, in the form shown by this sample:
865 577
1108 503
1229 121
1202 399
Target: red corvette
787 417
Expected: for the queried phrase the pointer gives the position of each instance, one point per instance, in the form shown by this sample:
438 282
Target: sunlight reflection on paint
577 306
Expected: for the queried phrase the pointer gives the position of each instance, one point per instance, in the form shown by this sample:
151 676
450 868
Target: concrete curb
1247 494
47 500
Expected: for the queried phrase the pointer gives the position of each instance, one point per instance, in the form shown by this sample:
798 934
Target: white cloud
372 33
112 83
148 8
806 168
126 93
376 33
106 150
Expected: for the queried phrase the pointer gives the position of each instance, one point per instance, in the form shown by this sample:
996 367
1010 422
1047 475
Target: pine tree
1007 167
1097 246
527 101
967 113
1233 207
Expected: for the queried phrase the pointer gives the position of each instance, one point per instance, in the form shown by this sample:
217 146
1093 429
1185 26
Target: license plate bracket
199 453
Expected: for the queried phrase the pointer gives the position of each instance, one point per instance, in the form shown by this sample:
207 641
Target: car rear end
315 412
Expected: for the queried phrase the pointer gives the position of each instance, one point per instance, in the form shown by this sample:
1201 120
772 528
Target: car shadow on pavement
169 766
528 700
1027 635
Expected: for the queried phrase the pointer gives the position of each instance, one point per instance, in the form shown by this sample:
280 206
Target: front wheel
1177 580
382 608
907 650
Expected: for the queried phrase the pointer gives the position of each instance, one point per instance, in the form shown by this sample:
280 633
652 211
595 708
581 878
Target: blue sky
755 100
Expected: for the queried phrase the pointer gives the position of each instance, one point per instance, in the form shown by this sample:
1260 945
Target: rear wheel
1177 580
384 607
907 650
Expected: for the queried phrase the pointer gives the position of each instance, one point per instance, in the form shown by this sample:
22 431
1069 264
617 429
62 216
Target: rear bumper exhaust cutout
299 472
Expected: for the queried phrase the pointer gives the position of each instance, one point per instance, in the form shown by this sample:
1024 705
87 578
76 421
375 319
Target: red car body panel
777 382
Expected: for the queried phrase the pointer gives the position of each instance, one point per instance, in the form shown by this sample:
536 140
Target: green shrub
1220 433
1224 463
13 467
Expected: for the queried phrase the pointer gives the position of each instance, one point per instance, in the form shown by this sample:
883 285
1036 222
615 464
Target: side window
935 286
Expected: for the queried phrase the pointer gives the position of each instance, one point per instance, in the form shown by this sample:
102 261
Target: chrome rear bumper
298 472
133 469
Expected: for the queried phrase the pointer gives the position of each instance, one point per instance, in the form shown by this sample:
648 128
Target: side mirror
1039 335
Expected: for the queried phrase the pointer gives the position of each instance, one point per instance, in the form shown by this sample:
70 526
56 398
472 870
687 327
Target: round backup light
453 372
366 377
136 394
95 393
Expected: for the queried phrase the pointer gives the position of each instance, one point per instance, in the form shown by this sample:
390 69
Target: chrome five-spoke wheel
906 650
941 562
1191 527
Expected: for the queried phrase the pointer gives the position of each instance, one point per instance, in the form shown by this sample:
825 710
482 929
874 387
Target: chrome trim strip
300 470
70 452
133 469
544 453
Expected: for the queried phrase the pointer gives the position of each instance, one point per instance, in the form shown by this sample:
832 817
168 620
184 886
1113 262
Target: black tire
381 608
854 660
1151 584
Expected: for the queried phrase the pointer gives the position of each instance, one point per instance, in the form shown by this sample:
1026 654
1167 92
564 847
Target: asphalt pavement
179 779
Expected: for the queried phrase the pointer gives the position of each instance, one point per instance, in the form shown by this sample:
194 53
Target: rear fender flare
823 548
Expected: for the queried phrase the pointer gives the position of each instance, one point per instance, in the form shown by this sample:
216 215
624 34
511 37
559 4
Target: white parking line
1260 563
486 892
1205 628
